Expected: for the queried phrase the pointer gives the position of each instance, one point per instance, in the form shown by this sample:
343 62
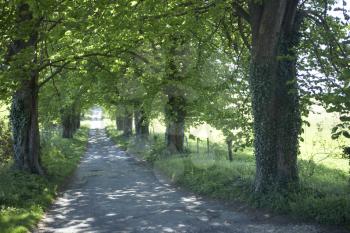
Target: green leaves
344 118
342 129
346 134
118 52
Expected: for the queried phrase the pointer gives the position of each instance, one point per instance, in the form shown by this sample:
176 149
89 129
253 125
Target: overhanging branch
56 72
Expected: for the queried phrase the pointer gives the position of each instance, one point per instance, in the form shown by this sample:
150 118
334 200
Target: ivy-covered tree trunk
141 124
289 124
274 89
25 127
24 107
127 130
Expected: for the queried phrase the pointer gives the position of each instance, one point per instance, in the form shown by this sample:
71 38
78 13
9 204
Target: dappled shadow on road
113 192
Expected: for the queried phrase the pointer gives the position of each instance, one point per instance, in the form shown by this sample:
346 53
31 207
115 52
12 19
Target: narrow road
113 192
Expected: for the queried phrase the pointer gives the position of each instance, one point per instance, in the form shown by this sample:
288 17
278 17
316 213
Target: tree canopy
248 68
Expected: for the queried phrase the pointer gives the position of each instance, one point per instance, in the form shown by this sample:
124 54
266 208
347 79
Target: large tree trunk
275 93
289 122
77 118
24 107
175 109
175 123
141 124
68 125
120 123
70 119
25 127
127 130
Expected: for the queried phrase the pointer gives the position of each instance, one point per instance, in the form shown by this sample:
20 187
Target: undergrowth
24 197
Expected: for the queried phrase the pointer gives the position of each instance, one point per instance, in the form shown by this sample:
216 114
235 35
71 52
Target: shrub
24 197
157 150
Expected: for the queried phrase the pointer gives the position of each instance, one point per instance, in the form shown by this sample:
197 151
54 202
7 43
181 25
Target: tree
277 121
224 102
24 108
30 63
278 32
175 108
141 123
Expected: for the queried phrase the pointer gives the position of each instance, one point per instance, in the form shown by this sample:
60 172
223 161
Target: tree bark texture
141 124
277 121
229 150
127 130
175 128
120 123
70 119
25 127
175 109
24 107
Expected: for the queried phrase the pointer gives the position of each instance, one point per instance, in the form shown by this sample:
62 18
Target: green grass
24 197
117 138
323 195
318 145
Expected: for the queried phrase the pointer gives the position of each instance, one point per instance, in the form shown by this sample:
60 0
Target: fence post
198 146
208 149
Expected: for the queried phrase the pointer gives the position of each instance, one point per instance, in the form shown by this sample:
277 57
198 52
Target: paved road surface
113 192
